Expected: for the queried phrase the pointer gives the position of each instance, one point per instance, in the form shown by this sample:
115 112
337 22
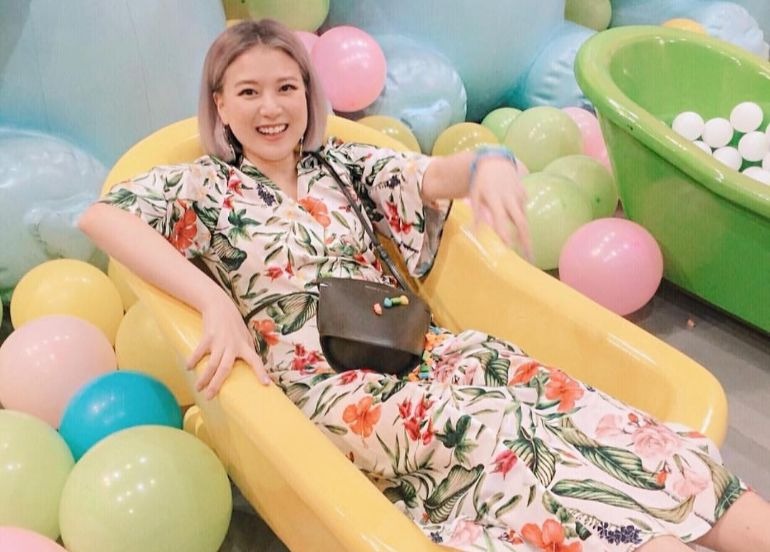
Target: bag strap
383 254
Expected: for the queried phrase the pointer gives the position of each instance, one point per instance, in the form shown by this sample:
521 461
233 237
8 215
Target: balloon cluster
119 473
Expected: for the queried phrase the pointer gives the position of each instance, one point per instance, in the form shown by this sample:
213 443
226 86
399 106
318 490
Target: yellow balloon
392 127
685 25
140 346
463 137
115 272
71 287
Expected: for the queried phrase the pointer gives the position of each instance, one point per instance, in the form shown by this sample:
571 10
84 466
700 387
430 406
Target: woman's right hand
225 339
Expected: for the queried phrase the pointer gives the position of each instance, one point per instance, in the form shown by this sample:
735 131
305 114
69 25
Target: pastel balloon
140 345
146 488
351 66
116 272
685 25
593 178
613 261
308 40
15 539
541 134
594 14
463 137
34 465
499 120
555 209
116 401
392 127
591 132
422 89
46 361
306 15
67 286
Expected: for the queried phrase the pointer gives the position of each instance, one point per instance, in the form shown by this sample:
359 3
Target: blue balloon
45 183
551 79
421 89
490 43
113 402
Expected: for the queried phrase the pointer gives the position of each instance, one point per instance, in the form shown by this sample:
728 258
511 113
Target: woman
480 444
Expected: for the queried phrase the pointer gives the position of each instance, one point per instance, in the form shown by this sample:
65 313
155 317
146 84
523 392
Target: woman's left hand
498 198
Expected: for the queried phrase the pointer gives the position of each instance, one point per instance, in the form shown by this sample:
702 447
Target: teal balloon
491 44
555 209
592 178
34 465
146 488
499 120
103 74
594 14
541 134
422 90
116 401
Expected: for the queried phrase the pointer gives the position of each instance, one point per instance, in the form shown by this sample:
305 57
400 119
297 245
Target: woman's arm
150 256
491 181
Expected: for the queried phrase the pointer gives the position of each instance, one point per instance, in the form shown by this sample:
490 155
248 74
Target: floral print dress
482 446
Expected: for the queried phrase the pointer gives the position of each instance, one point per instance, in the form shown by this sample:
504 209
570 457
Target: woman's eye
247 92
287 87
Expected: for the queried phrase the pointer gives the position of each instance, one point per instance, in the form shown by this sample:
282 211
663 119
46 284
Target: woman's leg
664 544
745 527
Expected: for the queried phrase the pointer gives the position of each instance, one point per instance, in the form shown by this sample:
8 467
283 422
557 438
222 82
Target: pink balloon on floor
15 539
593 141
308 39
351 66
46 361
615 262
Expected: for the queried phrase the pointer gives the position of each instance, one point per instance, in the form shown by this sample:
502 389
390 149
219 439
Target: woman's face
263 100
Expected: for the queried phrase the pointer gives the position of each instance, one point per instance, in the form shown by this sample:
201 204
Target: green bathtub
712 223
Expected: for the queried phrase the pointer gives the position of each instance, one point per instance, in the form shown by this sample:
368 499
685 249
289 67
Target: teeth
272 129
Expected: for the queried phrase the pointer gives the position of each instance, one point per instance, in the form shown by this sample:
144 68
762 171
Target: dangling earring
235 146
299 149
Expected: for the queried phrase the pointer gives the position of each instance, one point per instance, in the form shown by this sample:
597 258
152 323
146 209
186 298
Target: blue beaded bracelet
488 151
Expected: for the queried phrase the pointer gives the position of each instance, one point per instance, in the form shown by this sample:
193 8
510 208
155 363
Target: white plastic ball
717 132
766 162
753 146
688 124
700 144
746 117
760 175
729 156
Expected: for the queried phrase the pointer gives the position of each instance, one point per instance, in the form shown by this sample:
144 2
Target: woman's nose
269 105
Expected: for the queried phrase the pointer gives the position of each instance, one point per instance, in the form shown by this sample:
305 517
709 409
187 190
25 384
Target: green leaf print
296 391
240 223
207 215
404 492
454 438
727 487
336 430
304 239
339 218
122 198
172 181
508 506
455 486
231 257
555 507
538 457
292 311
597 491
620 463
495 368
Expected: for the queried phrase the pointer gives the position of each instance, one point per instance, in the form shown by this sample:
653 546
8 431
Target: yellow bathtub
310 494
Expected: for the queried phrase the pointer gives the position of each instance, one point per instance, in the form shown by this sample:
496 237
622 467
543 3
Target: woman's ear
219 103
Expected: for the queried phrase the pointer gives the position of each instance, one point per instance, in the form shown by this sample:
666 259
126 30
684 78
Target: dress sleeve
169 200
389 184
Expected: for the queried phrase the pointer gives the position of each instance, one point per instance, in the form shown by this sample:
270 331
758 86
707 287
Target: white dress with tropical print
483 447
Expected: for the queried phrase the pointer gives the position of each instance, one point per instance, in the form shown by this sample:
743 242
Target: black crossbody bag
357 334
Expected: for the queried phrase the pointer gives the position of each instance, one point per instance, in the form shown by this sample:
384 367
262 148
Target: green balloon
300 15
593 178
146 488
34 465
594 14
555 209
541 134
499 120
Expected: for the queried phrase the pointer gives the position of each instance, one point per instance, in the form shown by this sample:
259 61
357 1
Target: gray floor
737 355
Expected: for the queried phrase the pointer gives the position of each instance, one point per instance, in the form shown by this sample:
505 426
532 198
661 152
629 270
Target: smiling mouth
272 130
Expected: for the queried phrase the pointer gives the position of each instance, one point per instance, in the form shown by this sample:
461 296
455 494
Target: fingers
211 368
259 369
219 376
198 353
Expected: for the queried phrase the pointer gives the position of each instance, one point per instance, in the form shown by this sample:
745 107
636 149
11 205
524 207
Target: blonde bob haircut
226 48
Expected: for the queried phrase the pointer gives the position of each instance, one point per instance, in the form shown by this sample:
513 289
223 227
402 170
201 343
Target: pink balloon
615 262
351 67
16 539
46 361
307 39
593 141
